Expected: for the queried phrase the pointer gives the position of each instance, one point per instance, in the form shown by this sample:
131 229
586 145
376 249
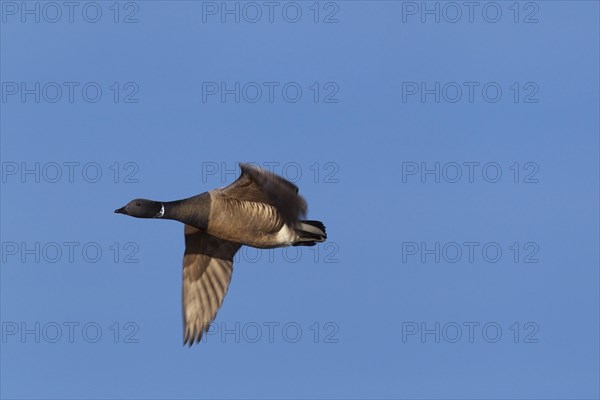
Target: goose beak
120 210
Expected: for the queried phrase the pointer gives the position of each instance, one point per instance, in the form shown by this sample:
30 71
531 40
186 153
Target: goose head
142 208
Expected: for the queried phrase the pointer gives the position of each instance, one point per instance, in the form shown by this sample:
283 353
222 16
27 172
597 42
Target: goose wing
257 185
207 269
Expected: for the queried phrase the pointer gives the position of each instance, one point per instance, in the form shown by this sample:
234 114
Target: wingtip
192 339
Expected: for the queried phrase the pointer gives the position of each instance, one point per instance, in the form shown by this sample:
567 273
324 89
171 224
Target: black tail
310 233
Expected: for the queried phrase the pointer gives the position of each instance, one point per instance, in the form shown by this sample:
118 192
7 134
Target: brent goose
259 209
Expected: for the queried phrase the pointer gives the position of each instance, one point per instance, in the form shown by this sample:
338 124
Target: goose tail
310 233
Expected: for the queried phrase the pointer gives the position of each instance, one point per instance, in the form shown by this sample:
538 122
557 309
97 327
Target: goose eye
138 204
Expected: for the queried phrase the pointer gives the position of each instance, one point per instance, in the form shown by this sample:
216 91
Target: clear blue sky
397 148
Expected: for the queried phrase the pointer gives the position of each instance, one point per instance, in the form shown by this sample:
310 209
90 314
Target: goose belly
266 240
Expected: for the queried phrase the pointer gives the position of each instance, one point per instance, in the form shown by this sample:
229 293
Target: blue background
371 293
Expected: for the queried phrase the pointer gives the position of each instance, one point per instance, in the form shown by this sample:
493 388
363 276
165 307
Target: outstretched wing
257 185
207 269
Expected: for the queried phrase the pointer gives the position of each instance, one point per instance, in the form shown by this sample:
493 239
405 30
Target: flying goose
259 209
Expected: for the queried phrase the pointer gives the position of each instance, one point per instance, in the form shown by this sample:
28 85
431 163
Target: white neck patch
161 212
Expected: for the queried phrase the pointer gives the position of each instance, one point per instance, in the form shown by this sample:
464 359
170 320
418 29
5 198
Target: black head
142 208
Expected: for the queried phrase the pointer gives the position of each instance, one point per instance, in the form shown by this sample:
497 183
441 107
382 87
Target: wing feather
260 186
207 270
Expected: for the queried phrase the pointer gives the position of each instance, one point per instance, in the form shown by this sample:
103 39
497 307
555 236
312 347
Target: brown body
251 223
